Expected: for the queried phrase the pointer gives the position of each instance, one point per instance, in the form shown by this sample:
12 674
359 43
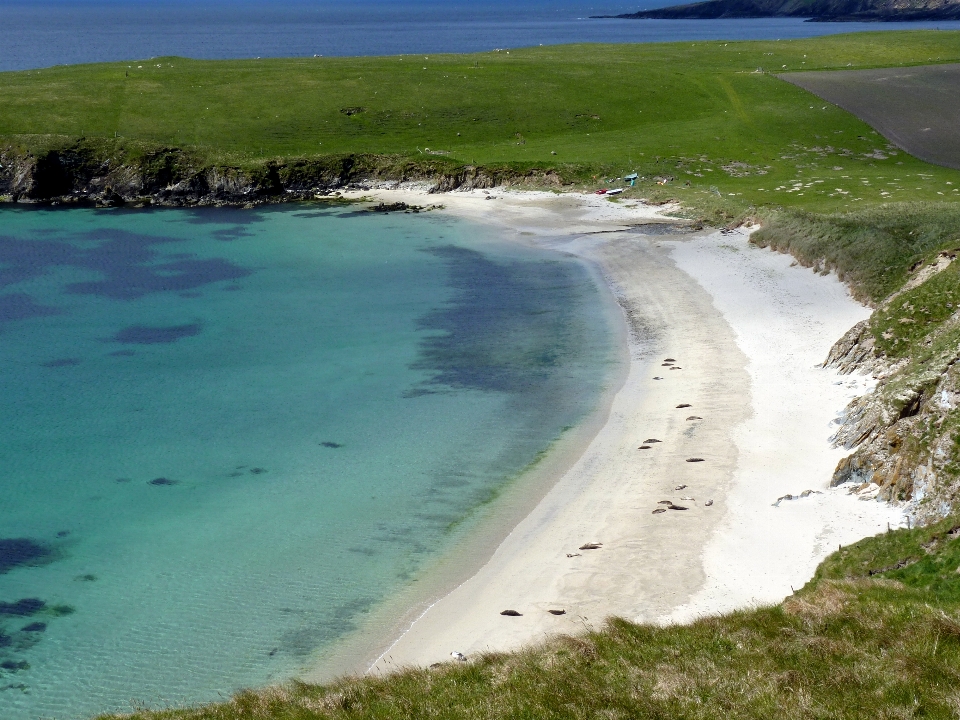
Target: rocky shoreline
902 434
171 177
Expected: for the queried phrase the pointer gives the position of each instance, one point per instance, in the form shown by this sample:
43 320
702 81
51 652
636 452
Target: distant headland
814 10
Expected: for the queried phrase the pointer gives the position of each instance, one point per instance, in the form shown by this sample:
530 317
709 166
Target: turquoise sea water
226 434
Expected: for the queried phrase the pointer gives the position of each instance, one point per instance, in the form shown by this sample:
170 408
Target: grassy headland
876 633
820 10
697 116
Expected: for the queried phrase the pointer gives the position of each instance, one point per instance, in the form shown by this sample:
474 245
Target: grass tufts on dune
873 249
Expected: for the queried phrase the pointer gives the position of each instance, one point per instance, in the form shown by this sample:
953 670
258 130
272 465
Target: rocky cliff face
171 177
906 433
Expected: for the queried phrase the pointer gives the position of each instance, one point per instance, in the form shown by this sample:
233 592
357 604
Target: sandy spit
746 331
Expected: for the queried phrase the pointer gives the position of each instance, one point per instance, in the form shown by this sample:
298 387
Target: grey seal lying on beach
683 405
557 612
591 546
511 613
658 511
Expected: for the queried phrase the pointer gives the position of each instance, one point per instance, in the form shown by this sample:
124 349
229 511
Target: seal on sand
511 613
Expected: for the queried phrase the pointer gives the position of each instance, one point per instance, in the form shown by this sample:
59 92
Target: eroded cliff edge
905 435
81 173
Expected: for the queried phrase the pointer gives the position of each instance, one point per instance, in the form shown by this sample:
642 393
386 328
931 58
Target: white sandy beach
748 332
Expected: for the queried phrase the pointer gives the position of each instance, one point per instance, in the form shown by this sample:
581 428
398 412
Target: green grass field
876 634
695 112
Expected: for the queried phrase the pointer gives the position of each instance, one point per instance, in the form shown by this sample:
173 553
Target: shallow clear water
226 434
40 33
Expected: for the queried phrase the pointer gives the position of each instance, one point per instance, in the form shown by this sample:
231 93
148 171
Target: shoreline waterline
650 567
483 531
527 221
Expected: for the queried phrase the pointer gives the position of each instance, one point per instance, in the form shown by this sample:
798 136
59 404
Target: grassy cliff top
699 115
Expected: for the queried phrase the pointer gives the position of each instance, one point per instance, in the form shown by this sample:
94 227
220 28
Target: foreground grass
876 634
697 116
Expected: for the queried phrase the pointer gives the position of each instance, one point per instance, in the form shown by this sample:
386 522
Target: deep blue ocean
44 33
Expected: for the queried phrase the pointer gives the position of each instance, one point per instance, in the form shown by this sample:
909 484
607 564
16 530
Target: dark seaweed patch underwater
22 608
508 326
130 266
15 552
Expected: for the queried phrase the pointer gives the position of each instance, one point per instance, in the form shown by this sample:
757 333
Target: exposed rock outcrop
166 176
905 434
